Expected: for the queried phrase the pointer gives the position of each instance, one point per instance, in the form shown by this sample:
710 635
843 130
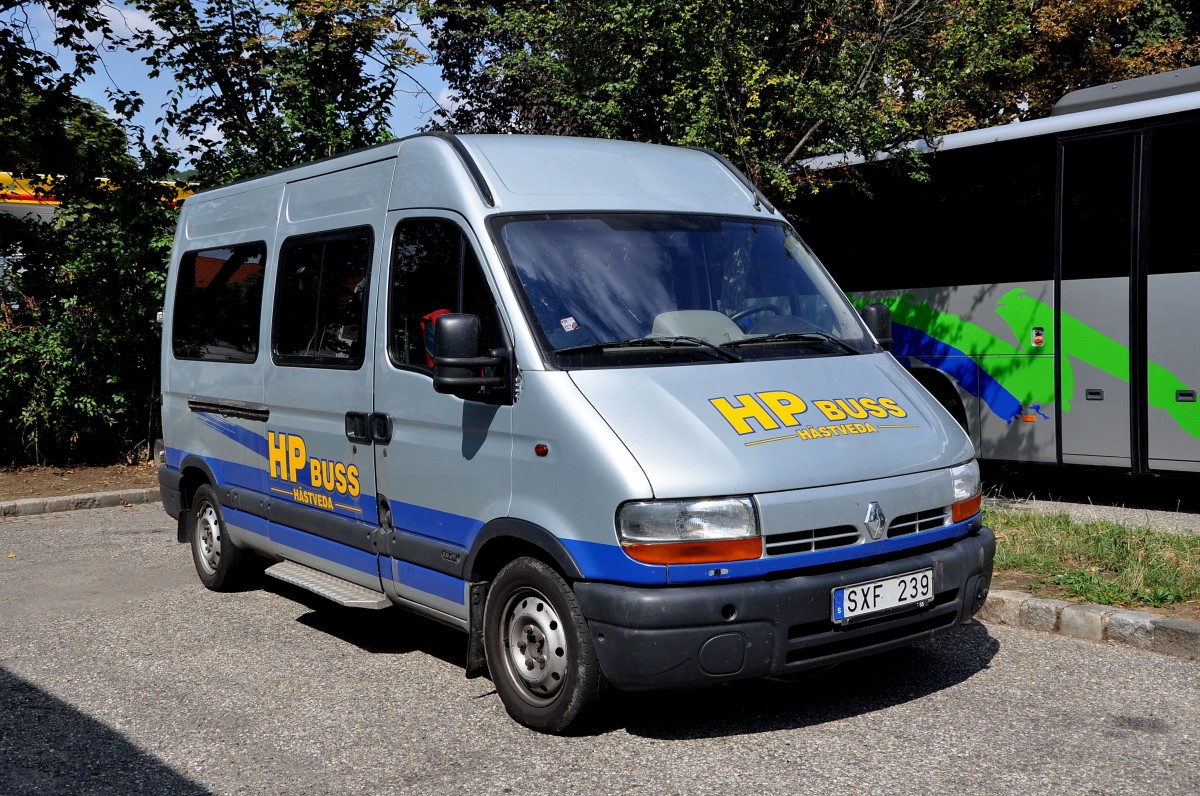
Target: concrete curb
95 500
1177 637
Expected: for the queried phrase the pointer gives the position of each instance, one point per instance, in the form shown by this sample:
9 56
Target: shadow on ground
390 630
47 746
851 689
751 706
1176 492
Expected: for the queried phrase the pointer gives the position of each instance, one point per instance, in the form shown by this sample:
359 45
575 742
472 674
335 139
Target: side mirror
457 366
878 319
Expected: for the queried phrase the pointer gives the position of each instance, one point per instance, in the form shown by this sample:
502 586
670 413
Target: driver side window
434 271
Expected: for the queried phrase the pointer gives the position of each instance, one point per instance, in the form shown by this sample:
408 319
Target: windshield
611 289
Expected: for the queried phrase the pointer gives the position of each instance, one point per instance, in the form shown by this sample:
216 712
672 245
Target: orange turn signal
966 509
696 552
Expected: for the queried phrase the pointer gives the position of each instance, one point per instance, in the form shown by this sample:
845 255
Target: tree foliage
259 86
770 83
995 60
764 82
79 295
262 86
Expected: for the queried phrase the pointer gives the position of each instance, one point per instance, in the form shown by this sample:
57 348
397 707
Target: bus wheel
539 650
216 557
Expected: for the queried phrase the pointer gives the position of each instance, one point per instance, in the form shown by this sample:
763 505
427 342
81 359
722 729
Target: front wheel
217 560
539 650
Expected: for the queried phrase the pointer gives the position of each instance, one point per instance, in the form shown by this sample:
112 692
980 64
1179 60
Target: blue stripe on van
608 562
246 522
324 548
234 474
447 587
442 525
227 473
242 436
255 478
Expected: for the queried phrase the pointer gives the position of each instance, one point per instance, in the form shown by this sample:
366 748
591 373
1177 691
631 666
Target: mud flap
476 658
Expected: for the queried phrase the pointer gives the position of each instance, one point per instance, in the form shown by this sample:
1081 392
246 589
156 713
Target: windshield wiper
660 342
794 337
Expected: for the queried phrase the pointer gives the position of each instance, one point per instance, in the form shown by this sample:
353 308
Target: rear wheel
539 649
218 561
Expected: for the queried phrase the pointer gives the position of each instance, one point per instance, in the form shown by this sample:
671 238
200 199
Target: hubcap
208 537
536 646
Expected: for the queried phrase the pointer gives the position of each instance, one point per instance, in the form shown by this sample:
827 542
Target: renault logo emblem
876 521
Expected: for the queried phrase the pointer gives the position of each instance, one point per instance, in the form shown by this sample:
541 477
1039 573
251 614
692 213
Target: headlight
690 531
968 497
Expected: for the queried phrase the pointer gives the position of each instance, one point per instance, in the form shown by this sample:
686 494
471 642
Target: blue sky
125 70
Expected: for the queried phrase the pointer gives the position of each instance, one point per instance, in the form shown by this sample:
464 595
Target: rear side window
321 300
218 301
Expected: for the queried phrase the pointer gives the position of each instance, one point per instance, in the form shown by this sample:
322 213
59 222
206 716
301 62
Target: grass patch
1099 562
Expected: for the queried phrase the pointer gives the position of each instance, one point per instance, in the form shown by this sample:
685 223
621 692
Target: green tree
79 295
262 86
37 88
765 83
770 83
994 61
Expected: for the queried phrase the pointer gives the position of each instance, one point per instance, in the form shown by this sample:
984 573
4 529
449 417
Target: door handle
1094 395
357 428
381 427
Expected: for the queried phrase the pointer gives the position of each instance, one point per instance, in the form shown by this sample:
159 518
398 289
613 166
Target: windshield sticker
819 418
569 324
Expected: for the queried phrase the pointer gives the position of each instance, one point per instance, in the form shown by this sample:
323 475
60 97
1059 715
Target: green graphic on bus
1009 377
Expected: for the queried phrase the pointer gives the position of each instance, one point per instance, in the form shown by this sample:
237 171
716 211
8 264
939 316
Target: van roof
519 173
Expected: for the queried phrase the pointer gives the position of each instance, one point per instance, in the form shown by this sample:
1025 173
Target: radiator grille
813 539
920 521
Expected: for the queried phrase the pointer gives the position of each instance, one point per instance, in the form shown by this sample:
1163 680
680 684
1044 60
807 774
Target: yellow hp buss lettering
287 455
823 432
311 498
335 476
774 408
747 409
288 458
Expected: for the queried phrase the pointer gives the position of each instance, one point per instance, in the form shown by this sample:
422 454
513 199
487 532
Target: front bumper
696 635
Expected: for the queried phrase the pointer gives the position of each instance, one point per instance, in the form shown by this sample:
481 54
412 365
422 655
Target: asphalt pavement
121 674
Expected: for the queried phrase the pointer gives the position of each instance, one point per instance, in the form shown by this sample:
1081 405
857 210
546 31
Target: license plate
862 599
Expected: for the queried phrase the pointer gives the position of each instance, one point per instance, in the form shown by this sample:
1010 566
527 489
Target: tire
538 646
218 561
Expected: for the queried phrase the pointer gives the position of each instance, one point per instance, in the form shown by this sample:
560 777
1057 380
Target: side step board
342 592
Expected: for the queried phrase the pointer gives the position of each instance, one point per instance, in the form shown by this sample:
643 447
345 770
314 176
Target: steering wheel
754 309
